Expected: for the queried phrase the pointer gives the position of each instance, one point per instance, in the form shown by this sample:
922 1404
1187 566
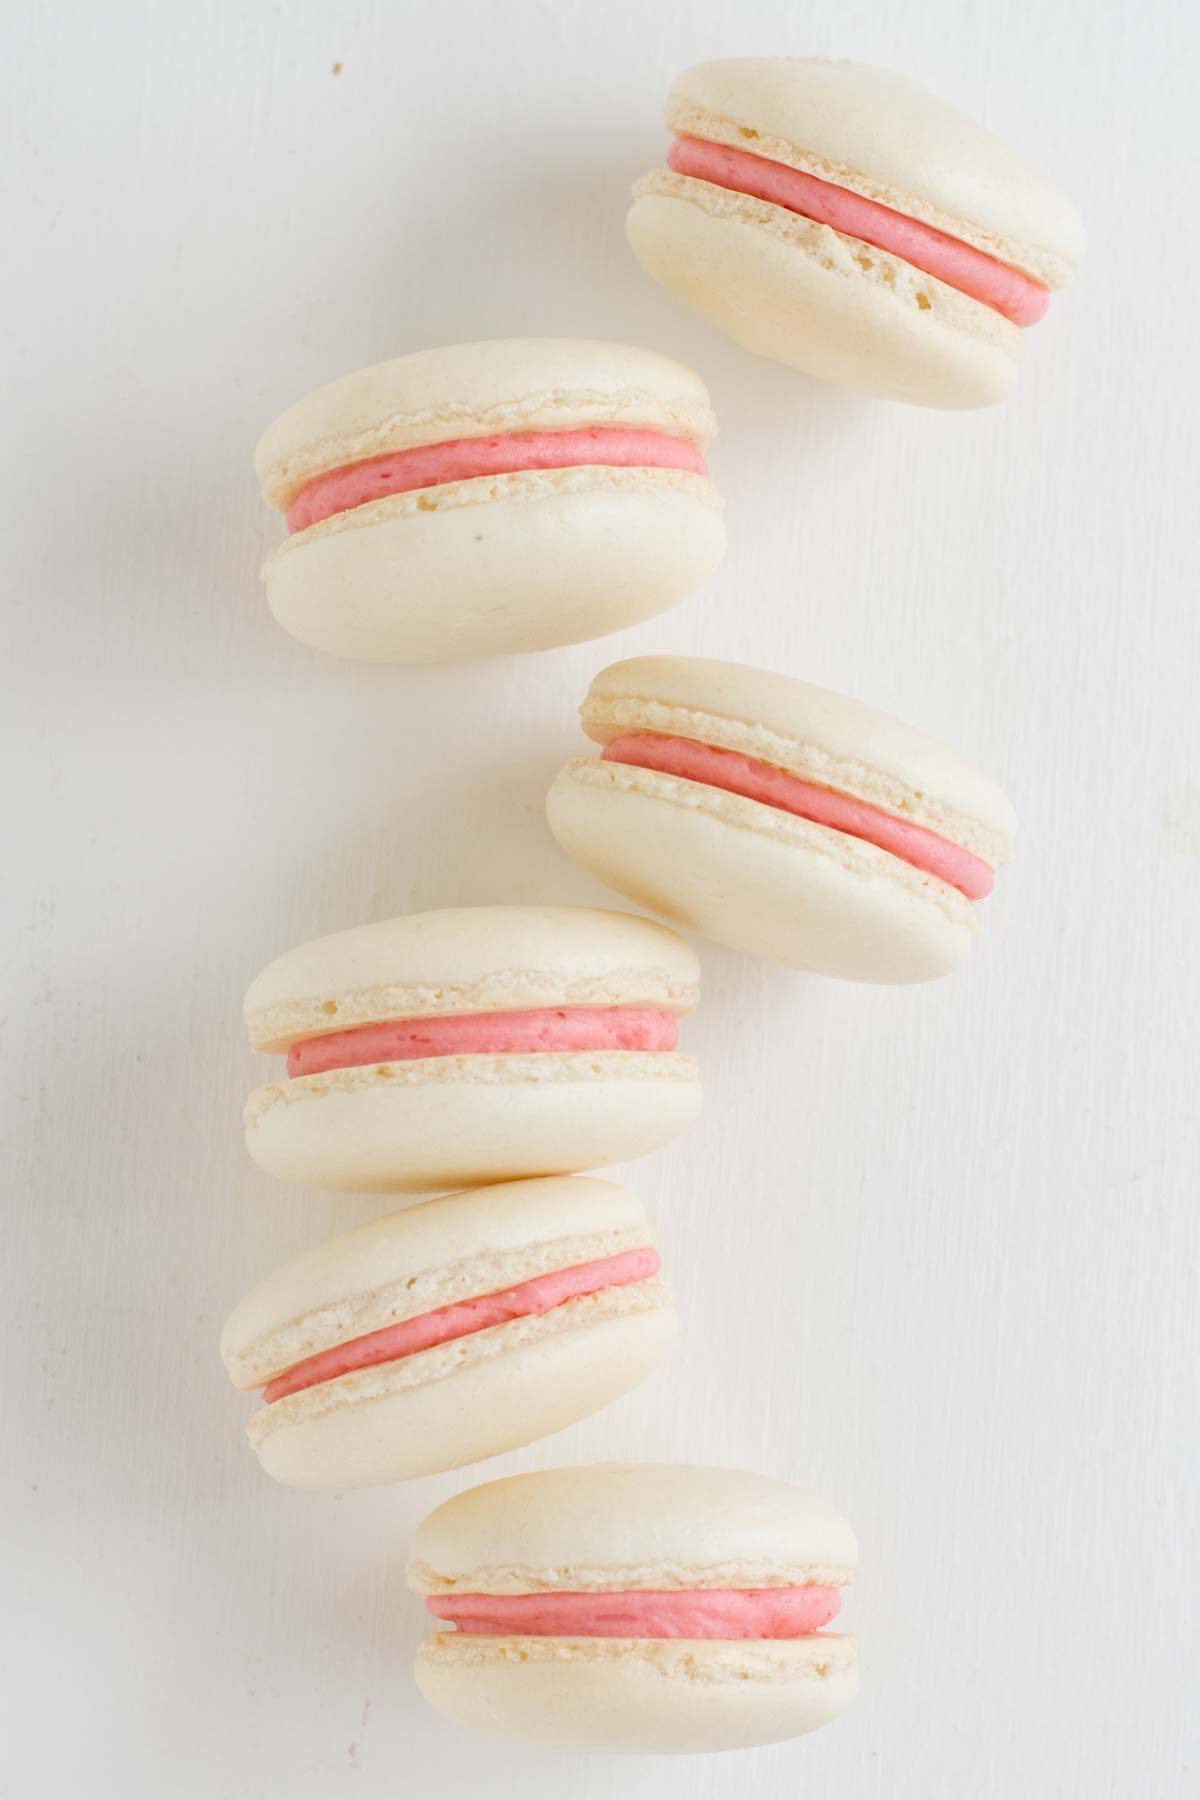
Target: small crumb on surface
336 69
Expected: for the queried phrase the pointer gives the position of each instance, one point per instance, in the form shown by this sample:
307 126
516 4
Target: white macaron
476 1044
636 1608
846 222
484 499
451 1331
781 819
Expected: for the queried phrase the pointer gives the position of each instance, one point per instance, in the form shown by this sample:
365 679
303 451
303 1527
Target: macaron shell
899 142
631 1525
486 1407
555 558
820 735
650 1697
827 305
470 959
476 390
423 1258
756 879
413 1128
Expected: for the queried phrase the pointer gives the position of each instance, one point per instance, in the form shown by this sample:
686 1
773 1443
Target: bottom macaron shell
499 1403
428 580
758 879
647 1696
802 298
413 1128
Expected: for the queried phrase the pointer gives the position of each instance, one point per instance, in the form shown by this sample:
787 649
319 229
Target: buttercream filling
785 1612
985 278
464 1317
737 774
507 453
548 1029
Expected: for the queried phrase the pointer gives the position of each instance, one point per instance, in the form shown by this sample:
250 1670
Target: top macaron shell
455 1120
616 1528
819 300
630 1525
492 565
755 877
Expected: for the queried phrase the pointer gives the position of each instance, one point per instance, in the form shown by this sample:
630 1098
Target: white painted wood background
935 1249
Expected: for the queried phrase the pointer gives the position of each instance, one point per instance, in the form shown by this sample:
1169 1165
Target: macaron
484 499
636 1608
781 819
844 221
481 1043
451 1331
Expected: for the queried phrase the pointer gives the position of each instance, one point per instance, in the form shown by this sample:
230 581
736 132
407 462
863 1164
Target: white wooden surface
935 1249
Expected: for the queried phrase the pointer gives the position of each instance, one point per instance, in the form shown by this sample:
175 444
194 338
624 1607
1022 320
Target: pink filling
525 1300
487 1034
959 265
402 471
775 787
694 1613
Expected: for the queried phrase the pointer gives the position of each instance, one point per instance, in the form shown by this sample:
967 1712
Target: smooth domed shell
625 1515
894 132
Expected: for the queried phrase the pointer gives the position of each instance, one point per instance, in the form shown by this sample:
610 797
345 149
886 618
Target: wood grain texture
936 1249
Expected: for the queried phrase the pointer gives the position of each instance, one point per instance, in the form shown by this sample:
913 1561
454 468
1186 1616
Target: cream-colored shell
819 735
470 959
475 390
451 1121
646 1697
891 140
630 1525
756 878
479 1396
806 296
428 1256
497 566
